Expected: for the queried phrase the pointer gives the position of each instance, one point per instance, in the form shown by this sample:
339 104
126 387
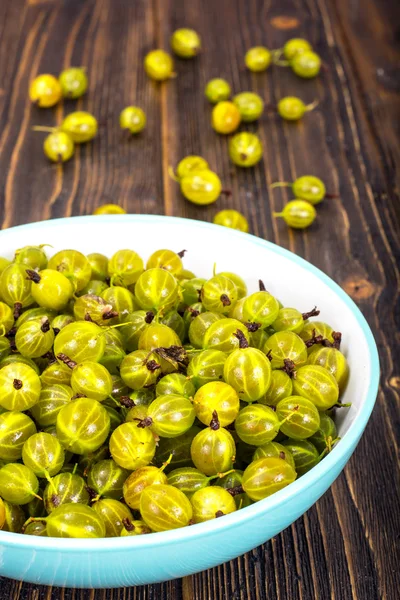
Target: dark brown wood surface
346 546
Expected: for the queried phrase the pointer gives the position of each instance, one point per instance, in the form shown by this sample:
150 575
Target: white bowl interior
292 282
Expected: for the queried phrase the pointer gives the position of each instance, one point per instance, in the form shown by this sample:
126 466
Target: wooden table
345 546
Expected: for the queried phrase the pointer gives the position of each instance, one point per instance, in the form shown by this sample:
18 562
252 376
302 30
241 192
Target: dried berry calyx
252 327
149 317
312 313
214 423
261 286
243 343
236 490
33 275
66 360
127 402
152 365
289 367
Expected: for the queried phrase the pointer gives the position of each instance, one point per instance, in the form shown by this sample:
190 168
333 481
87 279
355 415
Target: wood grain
346 546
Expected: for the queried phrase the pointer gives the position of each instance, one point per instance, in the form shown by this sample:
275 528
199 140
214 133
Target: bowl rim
338 454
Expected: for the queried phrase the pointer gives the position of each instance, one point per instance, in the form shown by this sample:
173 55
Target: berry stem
311 106
171 173
279 184
45 129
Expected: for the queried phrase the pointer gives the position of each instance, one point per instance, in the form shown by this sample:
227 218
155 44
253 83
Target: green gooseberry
201 187
18 484
185 43
81 126
299 417
125 267
298 214
170 415
245 149
218 294
176 383
306 64
200 325
276 450
164 507
292 108
265 476
133 119
280 387
113 513
261 307
248 371
107 478
43 455
178 448
286 346
250 105
257 59
156 288
15 429
326 434
59 146
318 385
74 520
91 379
159 65
20 386
32 257
74 82
83 425
333 361
79 342
99 265
205 367
211 502
213 449
257 424
131 446
217 90
226 335
295 46
304 453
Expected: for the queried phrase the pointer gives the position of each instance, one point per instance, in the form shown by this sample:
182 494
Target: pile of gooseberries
137 397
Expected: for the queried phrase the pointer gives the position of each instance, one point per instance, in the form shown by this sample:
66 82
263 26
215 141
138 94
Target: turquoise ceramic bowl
160 556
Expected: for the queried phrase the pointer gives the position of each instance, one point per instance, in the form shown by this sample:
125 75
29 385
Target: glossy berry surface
185 43
217 90
158 65
133 119
232 219
245 149
266 476
258 59
74 82
45 91
225 117
164 507
201 187
210 503
298 214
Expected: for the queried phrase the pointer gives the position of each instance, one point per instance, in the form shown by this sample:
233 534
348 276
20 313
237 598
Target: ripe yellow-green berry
298 214
159 65
245 149
232 219
225 117
109 209
257 59
133 119
73 82
45 91
58 146
185 43
217 90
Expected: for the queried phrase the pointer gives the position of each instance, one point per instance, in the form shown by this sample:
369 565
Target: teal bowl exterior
158 557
